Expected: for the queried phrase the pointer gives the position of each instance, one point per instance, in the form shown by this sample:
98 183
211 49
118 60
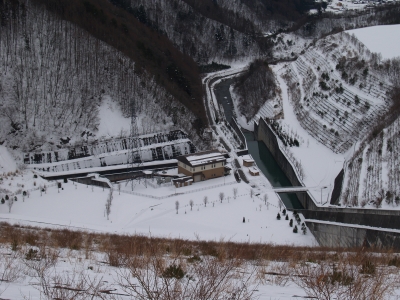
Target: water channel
260 153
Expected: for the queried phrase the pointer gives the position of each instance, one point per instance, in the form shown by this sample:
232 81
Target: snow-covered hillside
56 86
336 94
333 96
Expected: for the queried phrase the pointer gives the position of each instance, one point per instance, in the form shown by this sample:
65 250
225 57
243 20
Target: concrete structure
248 161
203 165
344 235
335 226
264 133
182 181
254 171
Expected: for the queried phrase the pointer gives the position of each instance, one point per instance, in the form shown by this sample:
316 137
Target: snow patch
112 122
7 162
380 39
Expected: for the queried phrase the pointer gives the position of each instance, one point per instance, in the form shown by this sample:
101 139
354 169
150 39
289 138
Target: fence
20 191
177 194
239 132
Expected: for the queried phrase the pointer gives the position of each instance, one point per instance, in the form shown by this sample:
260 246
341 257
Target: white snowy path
320 164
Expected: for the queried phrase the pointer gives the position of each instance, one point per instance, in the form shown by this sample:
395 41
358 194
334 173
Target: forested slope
54 75
152 52
204 37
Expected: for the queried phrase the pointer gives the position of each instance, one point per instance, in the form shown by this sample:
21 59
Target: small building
254 171
182 181
248 161
203 165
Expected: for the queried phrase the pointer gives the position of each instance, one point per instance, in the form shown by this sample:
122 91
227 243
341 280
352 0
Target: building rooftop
202 158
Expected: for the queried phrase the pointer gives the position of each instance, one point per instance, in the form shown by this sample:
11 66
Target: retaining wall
333 235
366 217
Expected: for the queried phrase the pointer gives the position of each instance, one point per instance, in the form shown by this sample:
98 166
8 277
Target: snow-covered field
381 39
77 206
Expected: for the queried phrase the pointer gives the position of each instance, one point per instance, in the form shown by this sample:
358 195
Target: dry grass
122 247
163 265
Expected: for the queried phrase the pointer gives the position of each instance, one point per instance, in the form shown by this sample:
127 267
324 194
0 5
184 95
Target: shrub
7 197
368 268
278 216
193 259
304 228
395 261
31 254
3 201
295 230
65 180
287 218
291 223
174 271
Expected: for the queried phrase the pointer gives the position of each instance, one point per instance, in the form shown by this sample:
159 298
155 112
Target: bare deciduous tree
10 204
280 204
177 206
191 204
205 200
344 280
235 192
109 203
155 277
221 196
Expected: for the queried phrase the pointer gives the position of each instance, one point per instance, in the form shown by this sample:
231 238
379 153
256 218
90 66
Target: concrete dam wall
265 134
336 227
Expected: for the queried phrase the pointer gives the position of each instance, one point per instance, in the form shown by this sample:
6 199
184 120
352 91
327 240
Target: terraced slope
335 91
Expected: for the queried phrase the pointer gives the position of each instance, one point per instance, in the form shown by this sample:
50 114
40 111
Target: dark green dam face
269 167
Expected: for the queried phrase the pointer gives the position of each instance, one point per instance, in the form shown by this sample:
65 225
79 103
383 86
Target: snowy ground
77 206
70 262
7 163
380 39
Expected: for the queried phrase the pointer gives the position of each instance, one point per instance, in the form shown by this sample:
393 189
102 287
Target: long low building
203 165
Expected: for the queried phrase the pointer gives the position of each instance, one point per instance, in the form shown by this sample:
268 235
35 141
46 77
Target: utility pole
134 154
